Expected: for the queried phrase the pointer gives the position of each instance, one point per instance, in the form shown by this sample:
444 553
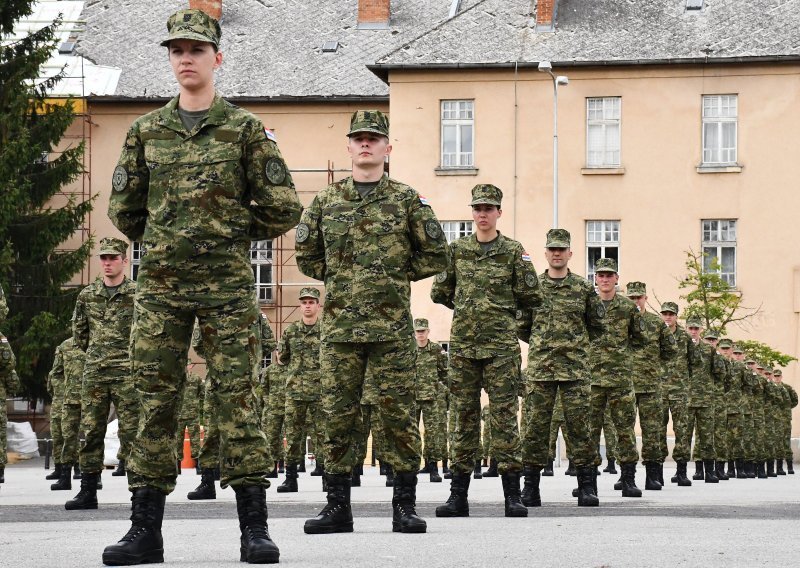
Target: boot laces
258 531
133 533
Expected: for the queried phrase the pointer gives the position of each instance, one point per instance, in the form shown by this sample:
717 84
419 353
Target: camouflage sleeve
7 364
444 285
428 243
268 342
441 366
80 324
284 346
524 282
57 372
595 314
668 346
271 196
309 244
3 306
524 321
14 384
127 204
718 370
636 330
792 395
197 340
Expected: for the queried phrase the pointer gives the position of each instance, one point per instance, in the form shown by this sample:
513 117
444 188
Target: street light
547 67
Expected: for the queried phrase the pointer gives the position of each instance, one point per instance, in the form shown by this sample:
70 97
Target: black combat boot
426 468
56 473
318 470
355 477
530 490
120 471
698 471
76 471
457 504
2 474
389 476
301 467
289 484
611 467
731 472
711 476
87 496
681 479
492 471
771 468
433 469
548 469
273 474
790 466
281 464
750 469
629 488
618 484
382 468
570 469
197 468
719 469
476 472
651 477
404 500
587 491
142 544
761 470
661 473
206 489
336 516
256 546
779 468
741 472
64 482
446 470
511 493
177 466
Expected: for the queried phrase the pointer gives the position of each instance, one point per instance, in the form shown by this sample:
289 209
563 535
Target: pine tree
33 269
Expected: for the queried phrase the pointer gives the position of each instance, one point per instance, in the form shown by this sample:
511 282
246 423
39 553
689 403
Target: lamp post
547 67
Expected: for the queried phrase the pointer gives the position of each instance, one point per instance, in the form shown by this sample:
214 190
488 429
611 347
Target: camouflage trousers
273 421
678 407
432 426
609 435
620 403
440 407
96 399
209 455
720 430
369 424
651 414
759 438
55 428
343 368
786 447
701 422
3 435
193 425
538 415
499 377
735 431
748 437
71 432
160 337
300 418
486 439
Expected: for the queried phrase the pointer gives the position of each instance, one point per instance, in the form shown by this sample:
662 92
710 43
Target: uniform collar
497 244
351 193
169 118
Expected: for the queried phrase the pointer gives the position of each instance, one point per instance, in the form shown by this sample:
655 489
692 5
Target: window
602 241
458 126
602 132
719 129
456 229
136 259
261 261
719 243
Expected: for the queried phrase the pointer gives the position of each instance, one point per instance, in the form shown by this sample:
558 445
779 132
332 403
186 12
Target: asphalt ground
734 523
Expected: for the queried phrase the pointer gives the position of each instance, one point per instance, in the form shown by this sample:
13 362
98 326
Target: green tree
764 353
34 270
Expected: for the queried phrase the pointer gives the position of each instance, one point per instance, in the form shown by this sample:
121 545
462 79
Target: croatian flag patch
270 136
423 200
526 257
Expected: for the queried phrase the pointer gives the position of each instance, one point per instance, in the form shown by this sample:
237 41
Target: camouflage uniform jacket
3 305
792 395
649 359
676 370
196 199
486 291
734 397
749 382
431 369
68 365
56 380
612 352
101 326
759 388
368 251
268 343
559 333
706 369
299 352
9 381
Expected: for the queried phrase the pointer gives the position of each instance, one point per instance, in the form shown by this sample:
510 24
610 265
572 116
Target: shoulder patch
530 279
526 257
119 181
276 171
441 277
302 233
433 229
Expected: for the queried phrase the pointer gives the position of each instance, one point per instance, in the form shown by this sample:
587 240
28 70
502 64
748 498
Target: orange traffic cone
187 462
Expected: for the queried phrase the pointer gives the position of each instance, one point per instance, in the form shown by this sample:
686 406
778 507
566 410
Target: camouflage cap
769 371
777 373
760 365
750 362
694 322
737 349
420 323
725 343
309 292
605 265
193 24
112 245
558 238
486 194
710 334
636 289
369 121
671 307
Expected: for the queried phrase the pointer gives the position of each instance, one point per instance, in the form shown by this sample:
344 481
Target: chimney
211 7
374 14
546 15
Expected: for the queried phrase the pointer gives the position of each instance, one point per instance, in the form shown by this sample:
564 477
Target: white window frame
261 260
136 259
720 113
457 114
719 235
605 235
457 229
609 152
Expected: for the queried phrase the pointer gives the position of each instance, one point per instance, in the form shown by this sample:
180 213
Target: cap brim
187 35
370 130
596 270
557 245
109 252
484 202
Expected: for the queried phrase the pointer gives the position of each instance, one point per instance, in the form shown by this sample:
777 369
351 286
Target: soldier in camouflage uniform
489 278
298 350
485 452
785 447
431 369
101 327
273 414
55 388
721 382
559 334
197 181
68 368
190 413
368 237
734 404
676 396
759 388
777 399
9 385
748 423
370 422
704 368
649 361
